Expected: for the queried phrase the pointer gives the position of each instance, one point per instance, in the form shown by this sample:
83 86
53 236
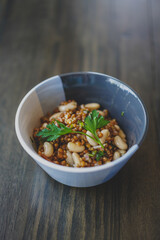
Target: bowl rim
47 163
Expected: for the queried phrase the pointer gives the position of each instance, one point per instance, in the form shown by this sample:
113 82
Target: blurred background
40 39
43 38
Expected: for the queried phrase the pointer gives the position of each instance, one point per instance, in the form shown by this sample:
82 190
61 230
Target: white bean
122 134
117 127
92 106
48 149
82 106
106 134
105 111
120 143
74 147
69 158
55 115
76 159
101 113
90 140
70 106
44 125
122 152
116 155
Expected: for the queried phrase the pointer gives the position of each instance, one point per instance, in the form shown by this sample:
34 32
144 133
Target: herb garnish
93 153
99 155
91 123
122 114
94 121
52 132
81 124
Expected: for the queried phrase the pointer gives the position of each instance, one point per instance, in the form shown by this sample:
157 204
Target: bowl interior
121 101
87 87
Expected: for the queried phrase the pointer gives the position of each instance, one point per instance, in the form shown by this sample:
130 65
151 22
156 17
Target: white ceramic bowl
83 87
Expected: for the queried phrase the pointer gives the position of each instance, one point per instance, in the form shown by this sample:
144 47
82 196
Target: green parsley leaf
122 114
94 121
52 132
80 123
93 153
99 155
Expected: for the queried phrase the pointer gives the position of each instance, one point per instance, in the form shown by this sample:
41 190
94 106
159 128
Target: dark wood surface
39 39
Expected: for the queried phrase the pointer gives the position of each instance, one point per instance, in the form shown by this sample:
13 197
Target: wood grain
39 39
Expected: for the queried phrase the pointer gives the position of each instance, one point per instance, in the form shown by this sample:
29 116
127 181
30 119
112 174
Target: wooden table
40 39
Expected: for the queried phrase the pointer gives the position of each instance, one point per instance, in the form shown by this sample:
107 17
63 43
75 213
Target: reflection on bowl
84 87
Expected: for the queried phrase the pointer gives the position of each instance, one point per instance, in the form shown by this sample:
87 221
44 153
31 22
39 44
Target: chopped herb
93 153
81 123
99 155
122 114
